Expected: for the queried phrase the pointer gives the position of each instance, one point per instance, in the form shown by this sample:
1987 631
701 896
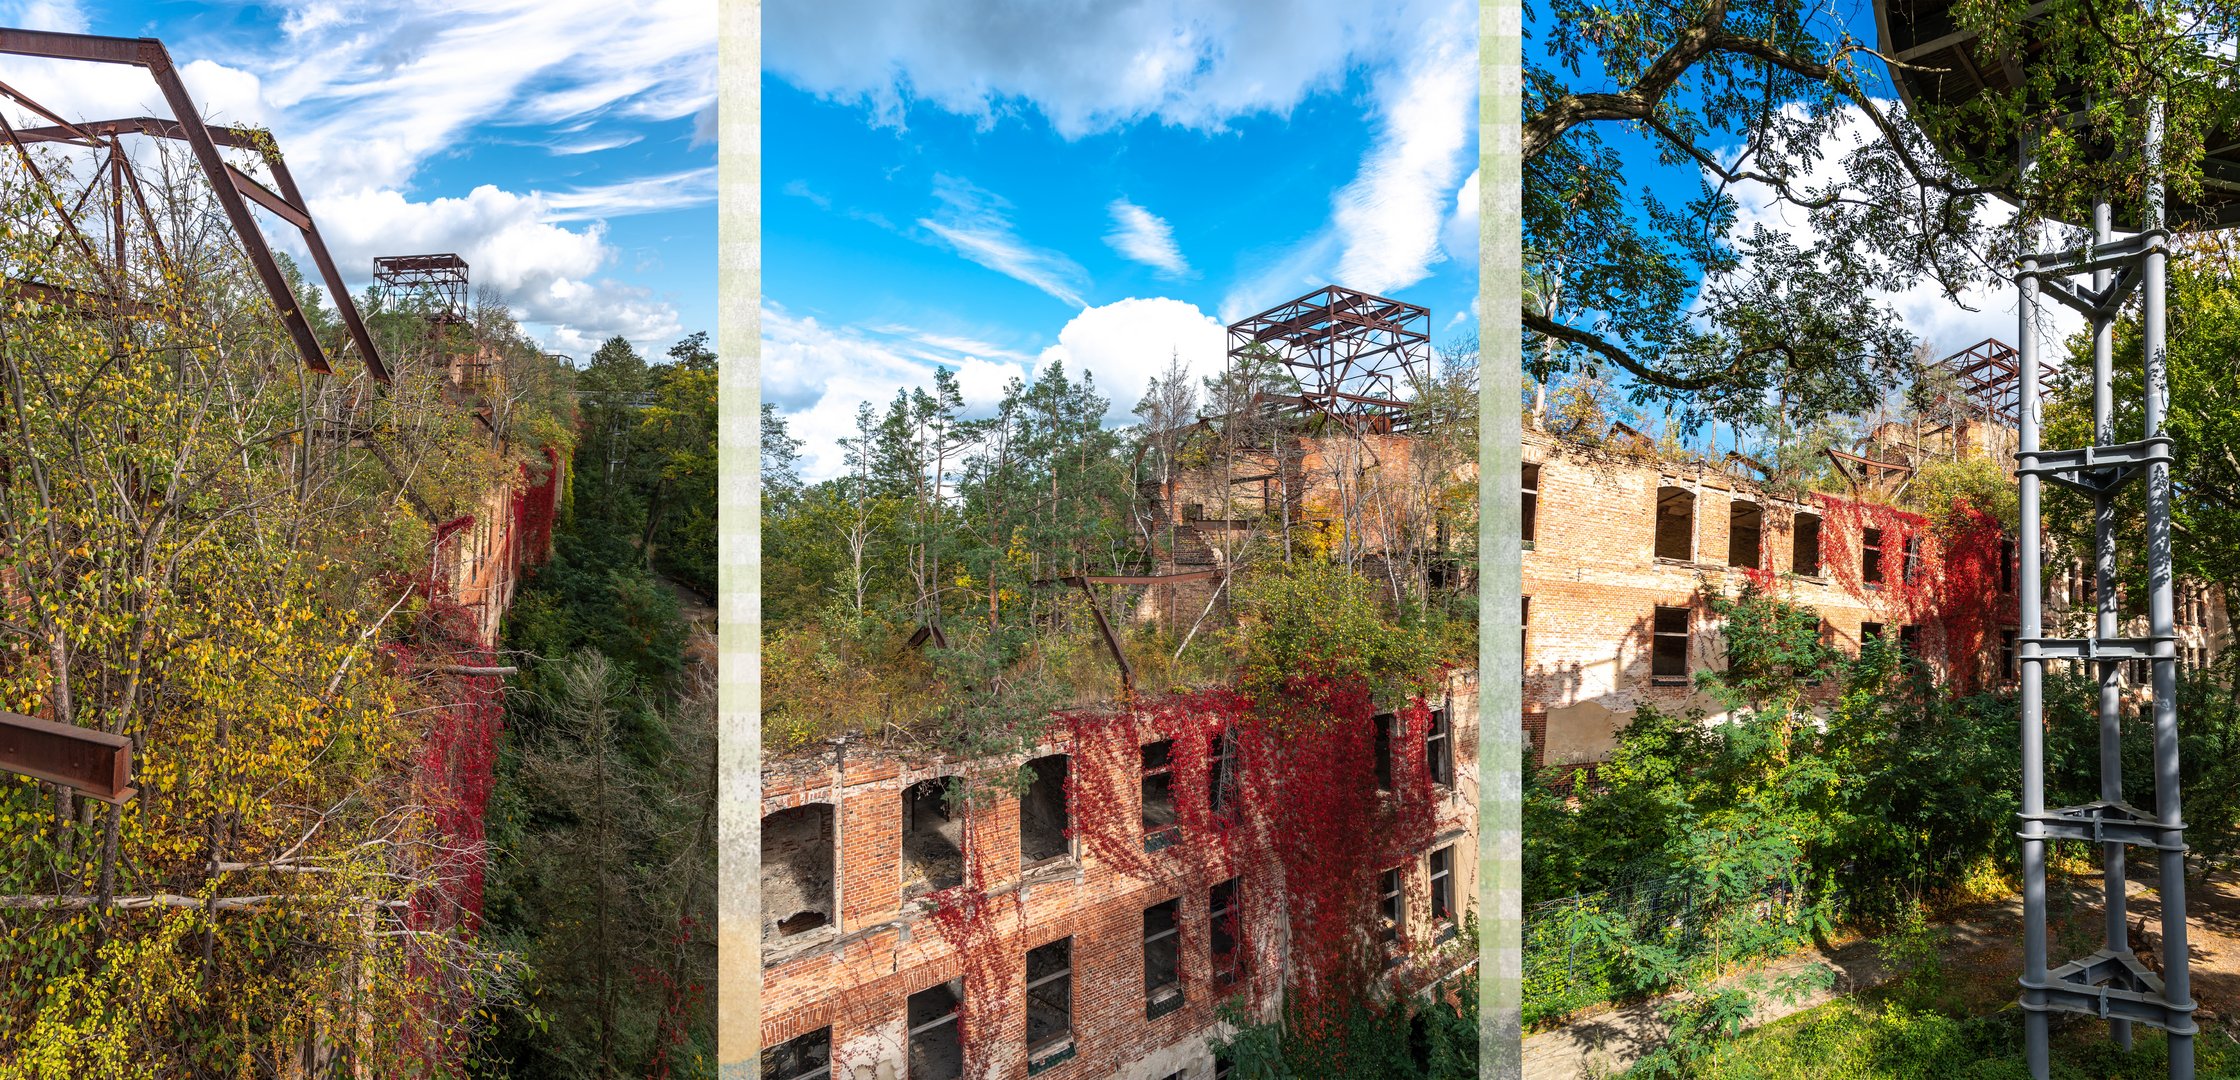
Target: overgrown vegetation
1700 846
972 527
226 558
603 824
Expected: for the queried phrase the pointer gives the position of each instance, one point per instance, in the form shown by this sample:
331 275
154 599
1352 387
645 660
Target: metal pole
2035 1027
2114 880
2177 983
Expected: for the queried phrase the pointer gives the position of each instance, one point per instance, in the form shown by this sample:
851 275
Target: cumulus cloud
1086 67
1125 343
975 224
1146 238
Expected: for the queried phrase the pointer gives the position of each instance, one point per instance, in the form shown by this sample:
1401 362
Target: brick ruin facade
1620 546
1063 961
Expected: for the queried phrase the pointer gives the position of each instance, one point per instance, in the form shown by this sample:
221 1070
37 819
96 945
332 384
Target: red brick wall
856 977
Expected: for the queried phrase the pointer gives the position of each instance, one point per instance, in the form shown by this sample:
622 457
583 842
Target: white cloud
1944 326
817 374
972 222
1086 67
360 95
547 273
1461 238
61 16
1390 218
1145 237
1127 342
644 195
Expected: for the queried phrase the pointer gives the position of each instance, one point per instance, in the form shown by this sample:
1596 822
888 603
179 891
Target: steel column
2111 983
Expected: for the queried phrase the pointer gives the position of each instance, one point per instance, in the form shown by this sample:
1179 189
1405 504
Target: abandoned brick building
1621 544
1083 907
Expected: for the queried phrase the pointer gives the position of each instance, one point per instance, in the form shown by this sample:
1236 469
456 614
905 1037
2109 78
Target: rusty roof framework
234 189
1990 380
1355 356
437 281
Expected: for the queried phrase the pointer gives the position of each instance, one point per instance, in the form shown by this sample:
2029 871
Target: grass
1870 1038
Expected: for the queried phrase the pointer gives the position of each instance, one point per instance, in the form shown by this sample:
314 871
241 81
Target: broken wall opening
1745 530
932 838
1676 523
1044 819
797 871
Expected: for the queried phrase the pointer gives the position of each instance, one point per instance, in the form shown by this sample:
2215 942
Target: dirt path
1983 954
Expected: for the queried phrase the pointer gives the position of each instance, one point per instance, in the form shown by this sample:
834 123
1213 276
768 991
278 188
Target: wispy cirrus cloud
1145 237
644 195
975 223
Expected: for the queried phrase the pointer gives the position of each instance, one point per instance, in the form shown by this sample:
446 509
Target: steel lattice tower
2110 983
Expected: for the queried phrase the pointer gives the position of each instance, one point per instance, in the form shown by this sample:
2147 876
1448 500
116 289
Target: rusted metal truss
1989 374
1104 625
1858 470
88 761
234 189
1355 356
439 281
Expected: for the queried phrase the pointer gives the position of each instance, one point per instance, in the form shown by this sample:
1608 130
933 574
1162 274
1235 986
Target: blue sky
1942 325
992 189
561 146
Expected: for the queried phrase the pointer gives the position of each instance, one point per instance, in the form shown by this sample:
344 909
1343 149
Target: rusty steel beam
78 300
86 760
228 184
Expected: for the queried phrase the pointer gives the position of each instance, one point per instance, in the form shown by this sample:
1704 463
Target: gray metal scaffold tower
2111 983
1936 63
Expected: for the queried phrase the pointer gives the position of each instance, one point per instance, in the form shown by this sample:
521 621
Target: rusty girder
1355 355
234 189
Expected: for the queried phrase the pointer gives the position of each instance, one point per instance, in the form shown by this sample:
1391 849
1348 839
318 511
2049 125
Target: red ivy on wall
1305 831
1953 592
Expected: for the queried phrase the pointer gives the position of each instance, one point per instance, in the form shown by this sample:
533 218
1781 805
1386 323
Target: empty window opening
1049 1001
1668 659
1909 641
1382 722
1869 631
1745 530
1159 828
1531 504
1162 959
1223 921
1222 1064
1437 760
1909 571
1043 814
1221 774
1870 556
936 1043
2141 671
806 1057
2006 654
1676 523
1804 544
1391 905
797 874
932 838
1442 885
2006 564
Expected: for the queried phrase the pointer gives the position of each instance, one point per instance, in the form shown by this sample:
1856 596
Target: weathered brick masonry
846 985
1594 579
